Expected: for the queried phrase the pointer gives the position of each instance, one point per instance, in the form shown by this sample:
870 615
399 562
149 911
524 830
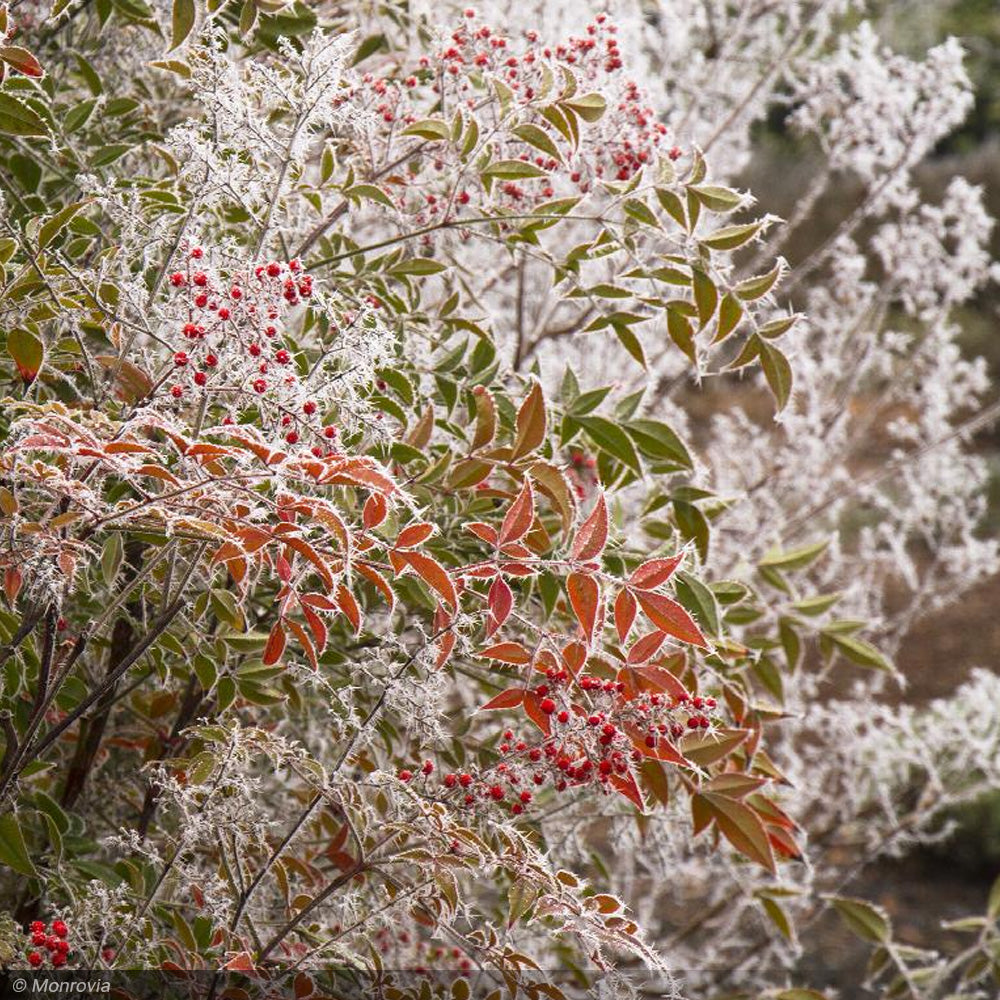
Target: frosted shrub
436 528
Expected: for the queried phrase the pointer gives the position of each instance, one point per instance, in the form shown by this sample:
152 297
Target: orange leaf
379 581
585 597
375 510
305 642
316 625
533 710
651 574
433 574
592 535
11 582
445 646
414 534
301 546
349 605
670 617
508 652
662 748
645 648
484 531
520 516
275 645
510 698
624 613
530 423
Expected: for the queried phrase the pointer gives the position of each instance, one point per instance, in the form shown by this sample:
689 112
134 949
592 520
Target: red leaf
375 511
624 613
662 748
510 698
316 625
414 534
349 605
645 648
11 582
275 645
500 601
651 574
585 597
241 962
574 655
484 531
21 59
520 517
533 710
301 546
445 646
592 535
670 617
433 574
627 786
508 652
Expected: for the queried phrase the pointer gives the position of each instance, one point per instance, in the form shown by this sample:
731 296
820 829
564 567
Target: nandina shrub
343 628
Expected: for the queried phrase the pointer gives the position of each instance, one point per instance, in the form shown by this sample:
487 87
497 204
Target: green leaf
756 288
697 599
53 226
630 342
590 107
13 852
538 138
27 351
731 237
777 371
417 266
864 654
656 440
742 827
182 21
509 170
18 119
429 128
797 558
610 438
716 198
867 921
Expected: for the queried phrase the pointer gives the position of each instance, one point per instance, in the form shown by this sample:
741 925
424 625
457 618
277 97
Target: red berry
309 408
58 960
211 360
35 959
200 378
254 350
177 279
428 767
465 780
282 357
180 359
517 809
108 954
594 720
547 705
525 796
200 279
223 313
37 927
259 385
62 947
496 793
236 293
176 391
450 781
563 716
317 451
330 432
273 269
196 252
38 938
405 775
292 437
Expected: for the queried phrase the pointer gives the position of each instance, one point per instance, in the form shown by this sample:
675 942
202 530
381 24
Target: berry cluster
411 951
586 746
52 940
628 137
230 344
